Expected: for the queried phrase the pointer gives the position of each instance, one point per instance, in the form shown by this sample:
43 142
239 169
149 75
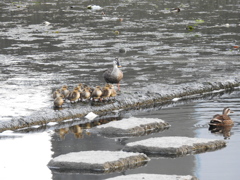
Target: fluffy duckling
80 86
113 91
56 94
106 92
74 95
58 101
64 91
85 94
222 119
97 93
114 75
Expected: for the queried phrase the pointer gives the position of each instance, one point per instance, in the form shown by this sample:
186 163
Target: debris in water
91 116
94 7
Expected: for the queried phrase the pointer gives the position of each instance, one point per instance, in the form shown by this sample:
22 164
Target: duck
58 101
74 95
64 91
80 86
113 91
222 119
97 93
56 94
106 92
175 10
114 75
85 94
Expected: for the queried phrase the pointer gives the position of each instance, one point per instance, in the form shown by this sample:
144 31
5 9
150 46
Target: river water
198 44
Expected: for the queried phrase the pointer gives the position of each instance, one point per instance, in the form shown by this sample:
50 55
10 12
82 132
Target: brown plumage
64 91
86 94
106 92
113 91
56 94
74 95
222 119
97 93
114 75
58 101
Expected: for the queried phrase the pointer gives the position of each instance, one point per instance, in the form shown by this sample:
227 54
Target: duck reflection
224 130
80 130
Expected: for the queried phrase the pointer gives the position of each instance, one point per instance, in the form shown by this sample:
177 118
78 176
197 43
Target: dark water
80 44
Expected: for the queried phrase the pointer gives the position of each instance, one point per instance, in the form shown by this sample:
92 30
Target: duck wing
113 76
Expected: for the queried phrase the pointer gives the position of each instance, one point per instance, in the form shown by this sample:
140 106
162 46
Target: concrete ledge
131 127
153 177
97 161
129 99
174 146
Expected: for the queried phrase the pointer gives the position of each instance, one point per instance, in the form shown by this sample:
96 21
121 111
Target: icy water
25 154
198 44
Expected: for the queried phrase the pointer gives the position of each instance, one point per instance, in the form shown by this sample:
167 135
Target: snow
92 157
152 177
130 123
171 141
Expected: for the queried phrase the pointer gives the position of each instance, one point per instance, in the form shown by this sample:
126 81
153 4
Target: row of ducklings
83 92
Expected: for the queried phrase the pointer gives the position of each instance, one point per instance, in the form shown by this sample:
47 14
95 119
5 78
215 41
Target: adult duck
114 75
222 119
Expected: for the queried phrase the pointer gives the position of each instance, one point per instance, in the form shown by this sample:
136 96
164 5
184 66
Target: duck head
117 63
226 111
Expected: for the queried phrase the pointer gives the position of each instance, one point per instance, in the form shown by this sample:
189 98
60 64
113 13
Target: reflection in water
80 129
224 130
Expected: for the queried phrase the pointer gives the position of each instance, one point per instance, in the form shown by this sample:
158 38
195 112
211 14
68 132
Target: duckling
58 101
113 91
223 119
74 95
64 91
80 86
114 75
97 93
56 94
85 94
106 92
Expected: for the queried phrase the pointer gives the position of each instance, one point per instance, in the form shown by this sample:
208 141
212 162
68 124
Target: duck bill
119 66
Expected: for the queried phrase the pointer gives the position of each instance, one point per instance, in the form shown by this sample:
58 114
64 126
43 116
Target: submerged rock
153 177
174 146
97 161
131 127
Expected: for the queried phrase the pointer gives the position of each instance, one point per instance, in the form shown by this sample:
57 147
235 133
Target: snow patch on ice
130 123
94 157
171 141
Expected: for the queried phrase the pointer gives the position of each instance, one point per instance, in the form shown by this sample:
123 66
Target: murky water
79 44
